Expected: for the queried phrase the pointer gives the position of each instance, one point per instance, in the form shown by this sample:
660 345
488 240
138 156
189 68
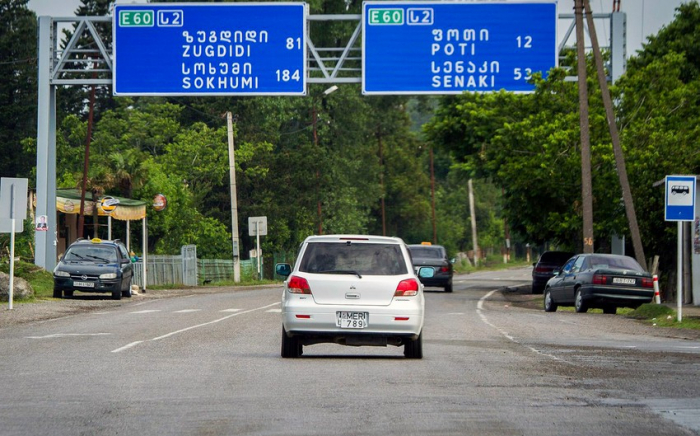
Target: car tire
117 295
413 349
68 293
549 304
610 310
579 304
291 347
448 287
127 293
57 293
536 289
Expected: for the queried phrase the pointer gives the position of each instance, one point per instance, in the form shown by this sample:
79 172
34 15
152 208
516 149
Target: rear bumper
616 296
386 325
440 280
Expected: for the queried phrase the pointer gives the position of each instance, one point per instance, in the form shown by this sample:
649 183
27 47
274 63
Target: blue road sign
680 198
210 49
449 48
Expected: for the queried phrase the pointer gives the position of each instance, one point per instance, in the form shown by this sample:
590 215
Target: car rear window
426 252
92 253
557 257
605 262
362 258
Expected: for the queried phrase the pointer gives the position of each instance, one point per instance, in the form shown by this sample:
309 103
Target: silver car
352 290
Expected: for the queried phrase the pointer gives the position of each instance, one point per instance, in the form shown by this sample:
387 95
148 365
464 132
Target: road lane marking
274 311
167 335
188 310
64 335
126 347
231 310
146 311
479 311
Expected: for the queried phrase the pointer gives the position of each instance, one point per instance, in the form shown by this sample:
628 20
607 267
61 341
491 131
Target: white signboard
257 226
13 198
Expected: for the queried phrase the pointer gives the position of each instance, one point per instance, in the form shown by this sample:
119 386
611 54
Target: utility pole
473 219
586 178
381 178
615 136
432 193
234 200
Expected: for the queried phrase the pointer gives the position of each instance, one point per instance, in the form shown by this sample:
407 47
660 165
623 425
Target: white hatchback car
352 290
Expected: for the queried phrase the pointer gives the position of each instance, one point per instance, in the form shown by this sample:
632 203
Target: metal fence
170 270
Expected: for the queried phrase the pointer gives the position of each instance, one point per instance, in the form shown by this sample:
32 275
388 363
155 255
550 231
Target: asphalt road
209 364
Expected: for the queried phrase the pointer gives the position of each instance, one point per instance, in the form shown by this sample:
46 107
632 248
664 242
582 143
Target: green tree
18 86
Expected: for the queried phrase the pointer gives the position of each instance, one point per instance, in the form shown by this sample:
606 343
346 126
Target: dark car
94 265
604 281
435 256
543 269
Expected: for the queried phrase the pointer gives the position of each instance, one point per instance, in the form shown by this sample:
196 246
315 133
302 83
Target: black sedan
435 256
604 281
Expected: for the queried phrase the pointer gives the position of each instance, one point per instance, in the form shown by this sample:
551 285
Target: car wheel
579 305
549 304
57 293
536 289
610 310
448 288
117 295
414 348
68 293
291 347
127 293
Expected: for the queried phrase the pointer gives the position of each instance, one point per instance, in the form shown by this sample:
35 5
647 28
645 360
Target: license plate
84 284
621 281
351 320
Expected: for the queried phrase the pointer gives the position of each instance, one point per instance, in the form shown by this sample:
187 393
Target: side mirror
426 272
556 272
453 260
283 269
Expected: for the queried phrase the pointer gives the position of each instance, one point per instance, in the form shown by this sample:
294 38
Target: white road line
167 335
187 310
65 335
146 311
126 347
274 311
231 310
479 311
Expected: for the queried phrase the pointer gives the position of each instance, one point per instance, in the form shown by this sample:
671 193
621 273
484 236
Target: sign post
257 226
13 212
210 49
680 207
451 47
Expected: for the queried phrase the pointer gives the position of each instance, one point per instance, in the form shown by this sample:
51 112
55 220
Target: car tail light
543 269
298 285
599 279
407 288
647 282
445 269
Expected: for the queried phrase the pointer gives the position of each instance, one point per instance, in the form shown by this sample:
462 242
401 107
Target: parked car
94 265
605 281
543 269
352 290
434 256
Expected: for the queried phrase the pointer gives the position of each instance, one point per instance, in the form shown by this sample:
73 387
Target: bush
649 311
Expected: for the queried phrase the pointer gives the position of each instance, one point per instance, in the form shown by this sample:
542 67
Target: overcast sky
644 17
